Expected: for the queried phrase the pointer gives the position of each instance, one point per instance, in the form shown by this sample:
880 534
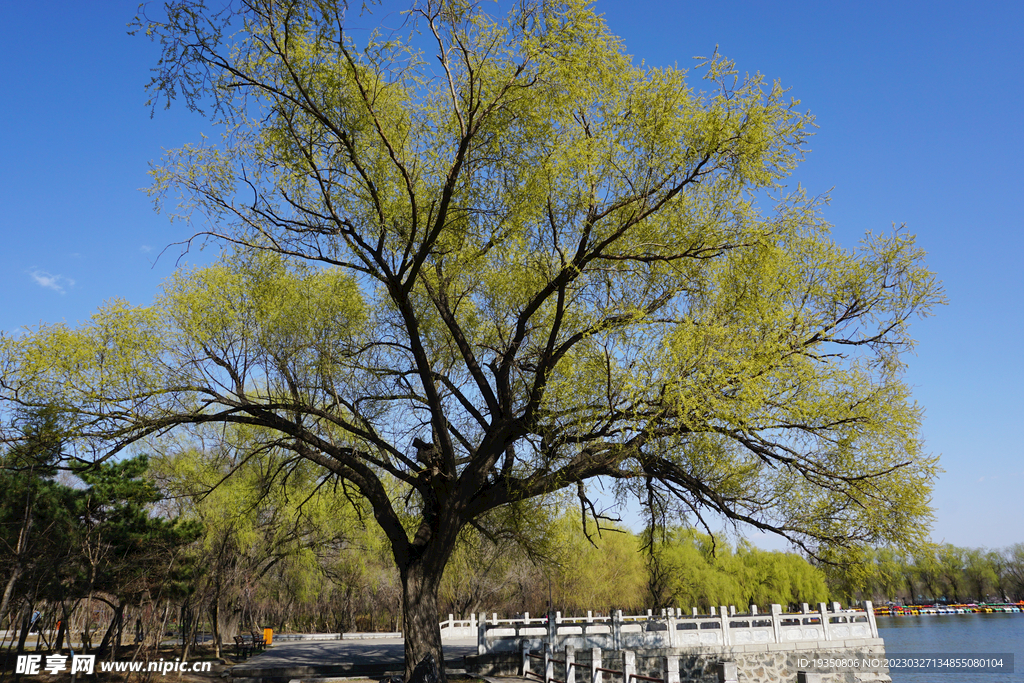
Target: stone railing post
570 664
753 610
524 670
549 665
670 669
695 611
590 616
595 665
726 637
628 665
869 609
552 630
526 617
777 622
823 611
481 636
673 640
617 630
728 672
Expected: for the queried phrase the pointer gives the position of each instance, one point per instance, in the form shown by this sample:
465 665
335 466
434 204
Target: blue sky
920 113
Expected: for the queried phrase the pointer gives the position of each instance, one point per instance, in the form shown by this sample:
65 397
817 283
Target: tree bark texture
421 628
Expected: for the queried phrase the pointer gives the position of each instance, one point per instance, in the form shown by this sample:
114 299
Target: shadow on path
372 658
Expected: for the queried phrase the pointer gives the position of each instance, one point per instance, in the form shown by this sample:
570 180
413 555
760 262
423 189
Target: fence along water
722 628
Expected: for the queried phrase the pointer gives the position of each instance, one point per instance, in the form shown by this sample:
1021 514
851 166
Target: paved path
341 657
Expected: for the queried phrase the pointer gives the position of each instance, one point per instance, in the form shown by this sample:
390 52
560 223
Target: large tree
479 261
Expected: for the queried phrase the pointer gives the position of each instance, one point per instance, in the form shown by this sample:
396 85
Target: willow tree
267 523
488 260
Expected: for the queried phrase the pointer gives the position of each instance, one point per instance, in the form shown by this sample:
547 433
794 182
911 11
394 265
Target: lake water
961 635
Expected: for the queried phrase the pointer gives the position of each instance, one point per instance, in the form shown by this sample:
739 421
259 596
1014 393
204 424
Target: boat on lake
894 610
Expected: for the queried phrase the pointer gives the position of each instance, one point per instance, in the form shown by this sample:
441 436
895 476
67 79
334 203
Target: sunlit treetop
493 257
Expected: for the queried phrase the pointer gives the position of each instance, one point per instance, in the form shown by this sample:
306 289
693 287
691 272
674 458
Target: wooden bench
243 648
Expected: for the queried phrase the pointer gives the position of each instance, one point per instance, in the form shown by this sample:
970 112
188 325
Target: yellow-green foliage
272 524
536 265
257 324
704 574
605 575
615 570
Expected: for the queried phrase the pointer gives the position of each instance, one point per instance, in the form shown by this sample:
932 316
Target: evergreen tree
35 513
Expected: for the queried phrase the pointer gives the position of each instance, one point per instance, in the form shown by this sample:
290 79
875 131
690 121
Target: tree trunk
184 625
86 632
229 620
5 601
188 630
113 632
119 636
912 587
216 626
26 623
62 628
422 630
19 550
163 627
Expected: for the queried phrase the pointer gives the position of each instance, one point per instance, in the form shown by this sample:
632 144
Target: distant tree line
934 573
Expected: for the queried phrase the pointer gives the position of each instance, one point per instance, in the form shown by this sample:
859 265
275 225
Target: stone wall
780 664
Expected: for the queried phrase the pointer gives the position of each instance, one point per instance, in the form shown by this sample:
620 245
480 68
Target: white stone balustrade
724 627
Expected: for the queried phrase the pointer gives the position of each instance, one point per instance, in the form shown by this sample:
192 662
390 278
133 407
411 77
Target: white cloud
145 248
1001 477
55 282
